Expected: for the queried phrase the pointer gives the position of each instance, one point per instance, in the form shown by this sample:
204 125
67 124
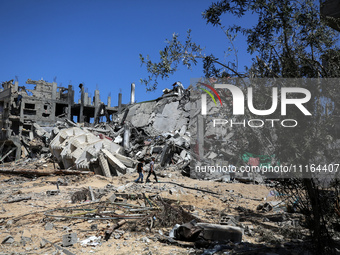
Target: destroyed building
44 121
44 104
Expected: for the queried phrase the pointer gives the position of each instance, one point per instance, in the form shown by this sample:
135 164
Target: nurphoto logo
238 101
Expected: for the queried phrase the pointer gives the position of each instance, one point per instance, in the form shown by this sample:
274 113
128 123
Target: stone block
49 226
69 239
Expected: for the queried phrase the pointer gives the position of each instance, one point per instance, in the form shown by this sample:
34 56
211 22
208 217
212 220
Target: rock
112 198
49 226
145 239
26 237
62 182
8 240
42 243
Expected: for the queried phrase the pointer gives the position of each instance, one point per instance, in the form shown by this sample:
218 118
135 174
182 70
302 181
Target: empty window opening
46 111
29 106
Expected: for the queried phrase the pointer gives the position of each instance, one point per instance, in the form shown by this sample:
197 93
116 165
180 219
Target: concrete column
16 85
69 102
96 103
126 140
132 101
82 99
17 144
54 98
119 103
54 90
86 99
109 101
165 155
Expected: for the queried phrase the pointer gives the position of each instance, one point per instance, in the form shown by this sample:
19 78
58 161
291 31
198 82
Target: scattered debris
69 239
49 162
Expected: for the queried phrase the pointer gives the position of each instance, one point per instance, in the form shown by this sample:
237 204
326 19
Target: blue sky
97 43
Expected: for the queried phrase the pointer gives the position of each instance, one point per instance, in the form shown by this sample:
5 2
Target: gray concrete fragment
76 147
183 130
8 240
69 239
126 140
217 232
49 226
43 243
128 162
112 198
183 154
165 156
119 166
104 165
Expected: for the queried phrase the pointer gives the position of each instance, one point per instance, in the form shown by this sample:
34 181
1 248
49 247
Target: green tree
289 40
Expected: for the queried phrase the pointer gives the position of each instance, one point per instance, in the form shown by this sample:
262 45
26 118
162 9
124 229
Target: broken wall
159 116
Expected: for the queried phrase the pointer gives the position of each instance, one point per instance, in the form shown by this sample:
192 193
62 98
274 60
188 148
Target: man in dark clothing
140 170
152 170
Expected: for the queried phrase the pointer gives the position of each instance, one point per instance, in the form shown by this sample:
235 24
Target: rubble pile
149 129
157 128
80 214
73 191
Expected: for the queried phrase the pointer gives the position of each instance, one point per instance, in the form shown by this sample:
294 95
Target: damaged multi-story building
44 104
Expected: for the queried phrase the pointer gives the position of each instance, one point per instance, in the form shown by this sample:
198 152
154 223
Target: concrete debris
98 162
135 216
266 207
8 240
49 226
41 126
81 195
193 231
91 241
69 239
215 232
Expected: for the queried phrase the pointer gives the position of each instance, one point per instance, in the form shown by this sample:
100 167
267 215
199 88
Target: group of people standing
140 170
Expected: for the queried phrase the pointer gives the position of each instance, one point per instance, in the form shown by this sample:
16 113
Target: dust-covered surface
26 225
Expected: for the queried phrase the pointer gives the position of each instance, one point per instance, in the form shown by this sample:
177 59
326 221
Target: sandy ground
25 221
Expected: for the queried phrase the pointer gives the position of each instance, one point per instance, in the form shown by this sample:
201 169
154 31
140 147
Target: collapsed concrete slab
159 116
119 166
193 231
79 148
215 232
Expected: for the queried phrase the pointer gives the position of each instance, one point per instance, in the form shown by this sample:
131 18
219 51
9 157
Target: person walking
152 170
140 170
